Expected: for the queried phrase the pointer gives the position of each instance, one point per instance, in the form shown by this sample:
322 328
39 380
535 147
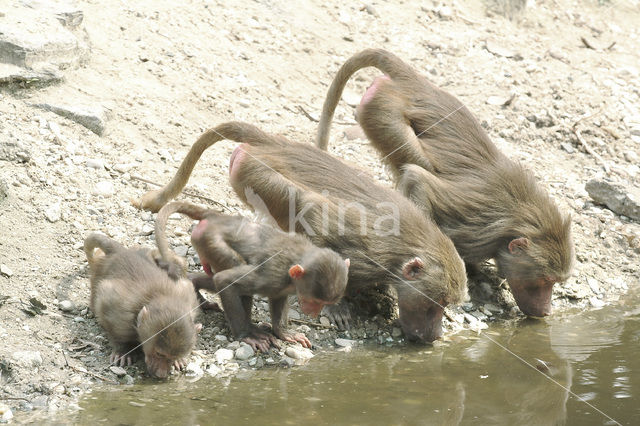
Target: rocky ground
98 97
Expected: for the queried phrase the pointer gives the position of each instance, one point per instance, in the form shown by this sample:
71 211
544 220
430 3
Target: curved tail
192 210
385 61
233 130
99 241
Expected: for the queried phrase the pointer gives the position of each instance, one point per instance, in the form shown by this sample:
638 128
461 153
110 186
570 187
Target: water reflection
471 381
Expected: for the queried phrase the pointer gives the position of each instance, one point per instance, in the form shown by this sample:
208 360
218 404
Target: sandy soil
164 71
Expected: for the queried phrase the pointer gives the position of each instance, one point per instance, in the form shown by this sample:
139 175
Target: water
538 376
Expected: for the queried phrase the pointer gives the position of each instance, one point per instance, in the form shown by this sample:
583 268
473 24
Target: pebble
147 229
325 321
181 250
128 380
396 332
244 352
118 371
193 369
137 404
221 338
593 285
298 353
293 314
223 355
479 315
631 156
233 345
213 370
595 302
351 98
567 147
66 306
287 361
5 270
354 132
53 212
95 163
28 359
345 342
468 306
123 167
104 188
5 413
624 200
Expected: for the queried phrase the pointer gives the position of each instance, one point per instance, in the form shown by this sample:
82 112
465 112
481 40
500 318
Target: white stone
596 303
345 342
66 306
213 370
5 270
95 163
53 213
104 188
298 353
118 371
193 369
593 285
221 338
223 355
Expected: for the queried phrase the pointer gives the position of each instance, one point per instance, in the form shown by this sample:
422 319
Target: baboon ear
413 268
198 327
347 262
518 245
143 316
296 272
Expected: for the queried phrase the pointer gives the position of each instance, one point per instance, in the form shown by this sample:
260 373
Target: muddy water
577 368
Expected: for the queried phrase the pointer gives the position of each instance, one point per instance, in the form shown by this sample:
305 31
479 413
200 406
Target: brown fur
489 205
250 258
279 171
138 304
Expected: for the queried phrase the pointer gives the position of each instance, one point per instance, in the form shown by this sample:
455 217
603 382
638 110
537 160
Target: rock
118 371
593 285
631 156
498 50
128 380
479 315
193 369
104 188
5 270
221 338
351 98
4 190
558 54
91 117
371 10
325 321
470 318
12 150
95 163
293 314
621 200
354 132
213 370
66 11
287 361
181 250
223 355
500 100
493 308
14 75
123 167
345 342
5 413
35 39
53 212
298 353
444 12
595 302
567 147
468 306
28 359
233 345
66 306
244 352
